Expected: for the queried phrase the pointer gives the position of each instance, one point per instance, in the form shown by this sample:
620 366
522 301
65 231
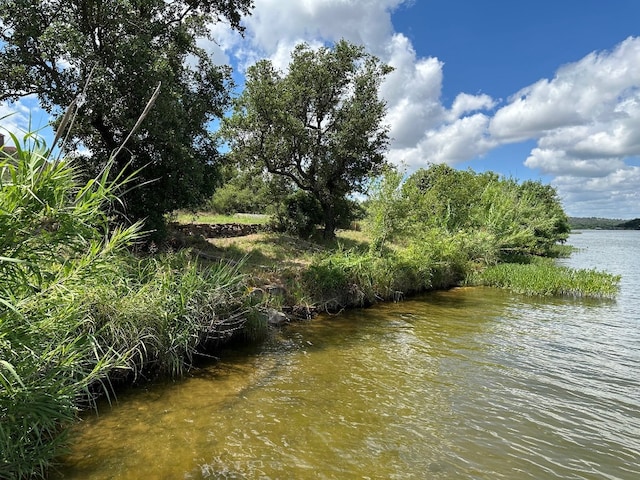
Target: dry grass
186 217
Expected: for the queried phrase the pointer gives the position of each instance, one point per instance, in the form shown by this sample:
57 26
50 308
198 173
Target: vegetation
630 225
186 217
542 277
319 127
495 216
83 305
79 311
106 58
588 223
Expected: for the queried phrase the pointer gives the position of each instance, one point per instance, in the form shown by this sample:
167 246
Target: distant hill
631 224
595 223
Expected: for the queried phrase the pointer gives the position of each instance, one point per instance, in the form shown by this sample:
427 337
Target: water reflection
469 383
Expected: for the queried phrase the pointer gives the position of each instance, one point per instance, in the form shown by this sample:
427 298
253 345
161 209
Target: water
472 383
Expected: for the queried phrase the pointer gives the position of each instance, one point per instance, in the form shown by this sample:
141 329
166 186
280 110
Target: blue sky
499 46
545 90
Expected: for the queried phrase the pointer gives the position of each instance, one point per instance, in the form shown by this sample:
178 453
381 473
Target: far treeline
593 223
86 304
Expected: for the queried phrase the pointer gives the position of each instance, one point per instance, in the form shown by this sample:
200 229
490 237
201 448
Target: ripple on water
469 383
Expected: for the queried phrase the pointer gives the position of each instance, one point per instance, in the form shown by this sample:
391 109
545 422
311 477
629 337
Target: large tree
49 48
320 124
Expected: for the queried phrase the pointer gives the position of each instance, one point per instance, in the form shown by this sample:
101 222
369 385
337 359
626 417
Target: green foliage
351 278
298 215
631 224
244 191
110 56
386 209
516 218
586 223
204 217
77 310
53 242
319 126
164 309
230 199
545 278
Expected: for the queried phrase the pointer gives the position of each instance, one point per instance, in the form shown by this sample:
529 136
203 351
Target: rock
276 318
256 295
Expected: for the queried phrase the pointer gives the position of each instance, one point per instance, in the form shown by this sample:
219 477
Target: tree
386 209
320 125
50 49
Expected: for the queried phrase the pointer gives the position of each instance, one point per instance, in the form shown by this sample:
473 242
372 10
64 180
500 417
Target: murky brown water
471 383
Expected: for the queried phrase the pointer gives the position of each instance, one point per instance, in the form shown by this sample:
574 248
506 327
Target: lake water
472 383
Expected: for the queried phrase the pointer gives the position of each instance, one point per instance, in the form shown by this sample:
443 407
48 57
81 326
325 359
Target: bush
298 215
230 199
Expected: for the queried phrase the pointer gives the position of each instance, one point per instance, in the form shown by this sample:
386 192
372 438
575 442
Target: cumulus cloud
22 117
590 90
422 129
275 22
465 103
12 120
584 121
412 92
451 143
612 196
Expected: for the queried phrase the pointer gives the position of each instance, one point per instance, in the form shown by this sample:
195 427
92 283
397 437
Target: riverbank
81 313
305 276
370 385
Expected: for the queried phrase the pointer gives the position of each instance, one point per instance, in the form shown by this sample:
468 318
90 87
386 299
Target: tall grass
78 310
353 278
545 278
53 239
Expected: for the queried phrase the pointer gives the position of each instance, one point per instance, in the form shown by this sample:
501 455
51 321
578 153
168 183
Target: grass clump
78 310
544 278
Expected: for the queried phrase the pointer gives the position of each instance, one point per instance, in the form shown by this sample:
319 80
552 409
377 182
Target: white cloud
22 117
584 120
417 118
560 163
412 92
365 22
458 141
588 91
465 103
12 120
615 195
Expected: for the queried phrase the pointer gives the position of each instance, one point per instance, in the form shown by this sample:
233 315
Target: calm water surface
472 383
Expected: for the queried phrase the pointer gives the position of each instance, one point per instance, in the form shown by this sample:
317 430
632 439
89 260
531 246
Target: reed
78 310
545 278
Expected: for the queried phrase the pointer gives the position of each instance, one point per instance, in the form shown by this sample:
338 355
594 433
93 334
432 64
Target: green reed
545 278
78 310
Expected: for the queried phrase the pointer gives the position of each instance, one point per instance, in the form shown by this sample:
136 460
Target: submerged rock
276 318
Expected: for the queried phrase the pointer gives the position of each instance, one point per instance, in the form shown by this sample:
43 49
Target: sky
544 90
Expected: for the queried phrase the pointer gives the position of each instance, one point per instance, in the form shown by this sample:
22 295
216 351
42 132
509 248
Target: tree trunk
328 212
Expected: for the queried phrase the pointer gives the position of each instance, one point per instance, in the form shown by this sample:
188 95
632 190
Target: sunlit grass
185 217
545 278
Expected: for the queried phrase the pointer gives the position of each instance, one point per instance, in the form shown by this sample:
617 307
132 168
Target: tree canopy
512 217
49 49
319 125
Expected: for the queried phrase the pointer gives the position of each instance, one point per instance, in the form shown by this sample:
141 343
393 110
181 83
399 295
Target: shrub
298 215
